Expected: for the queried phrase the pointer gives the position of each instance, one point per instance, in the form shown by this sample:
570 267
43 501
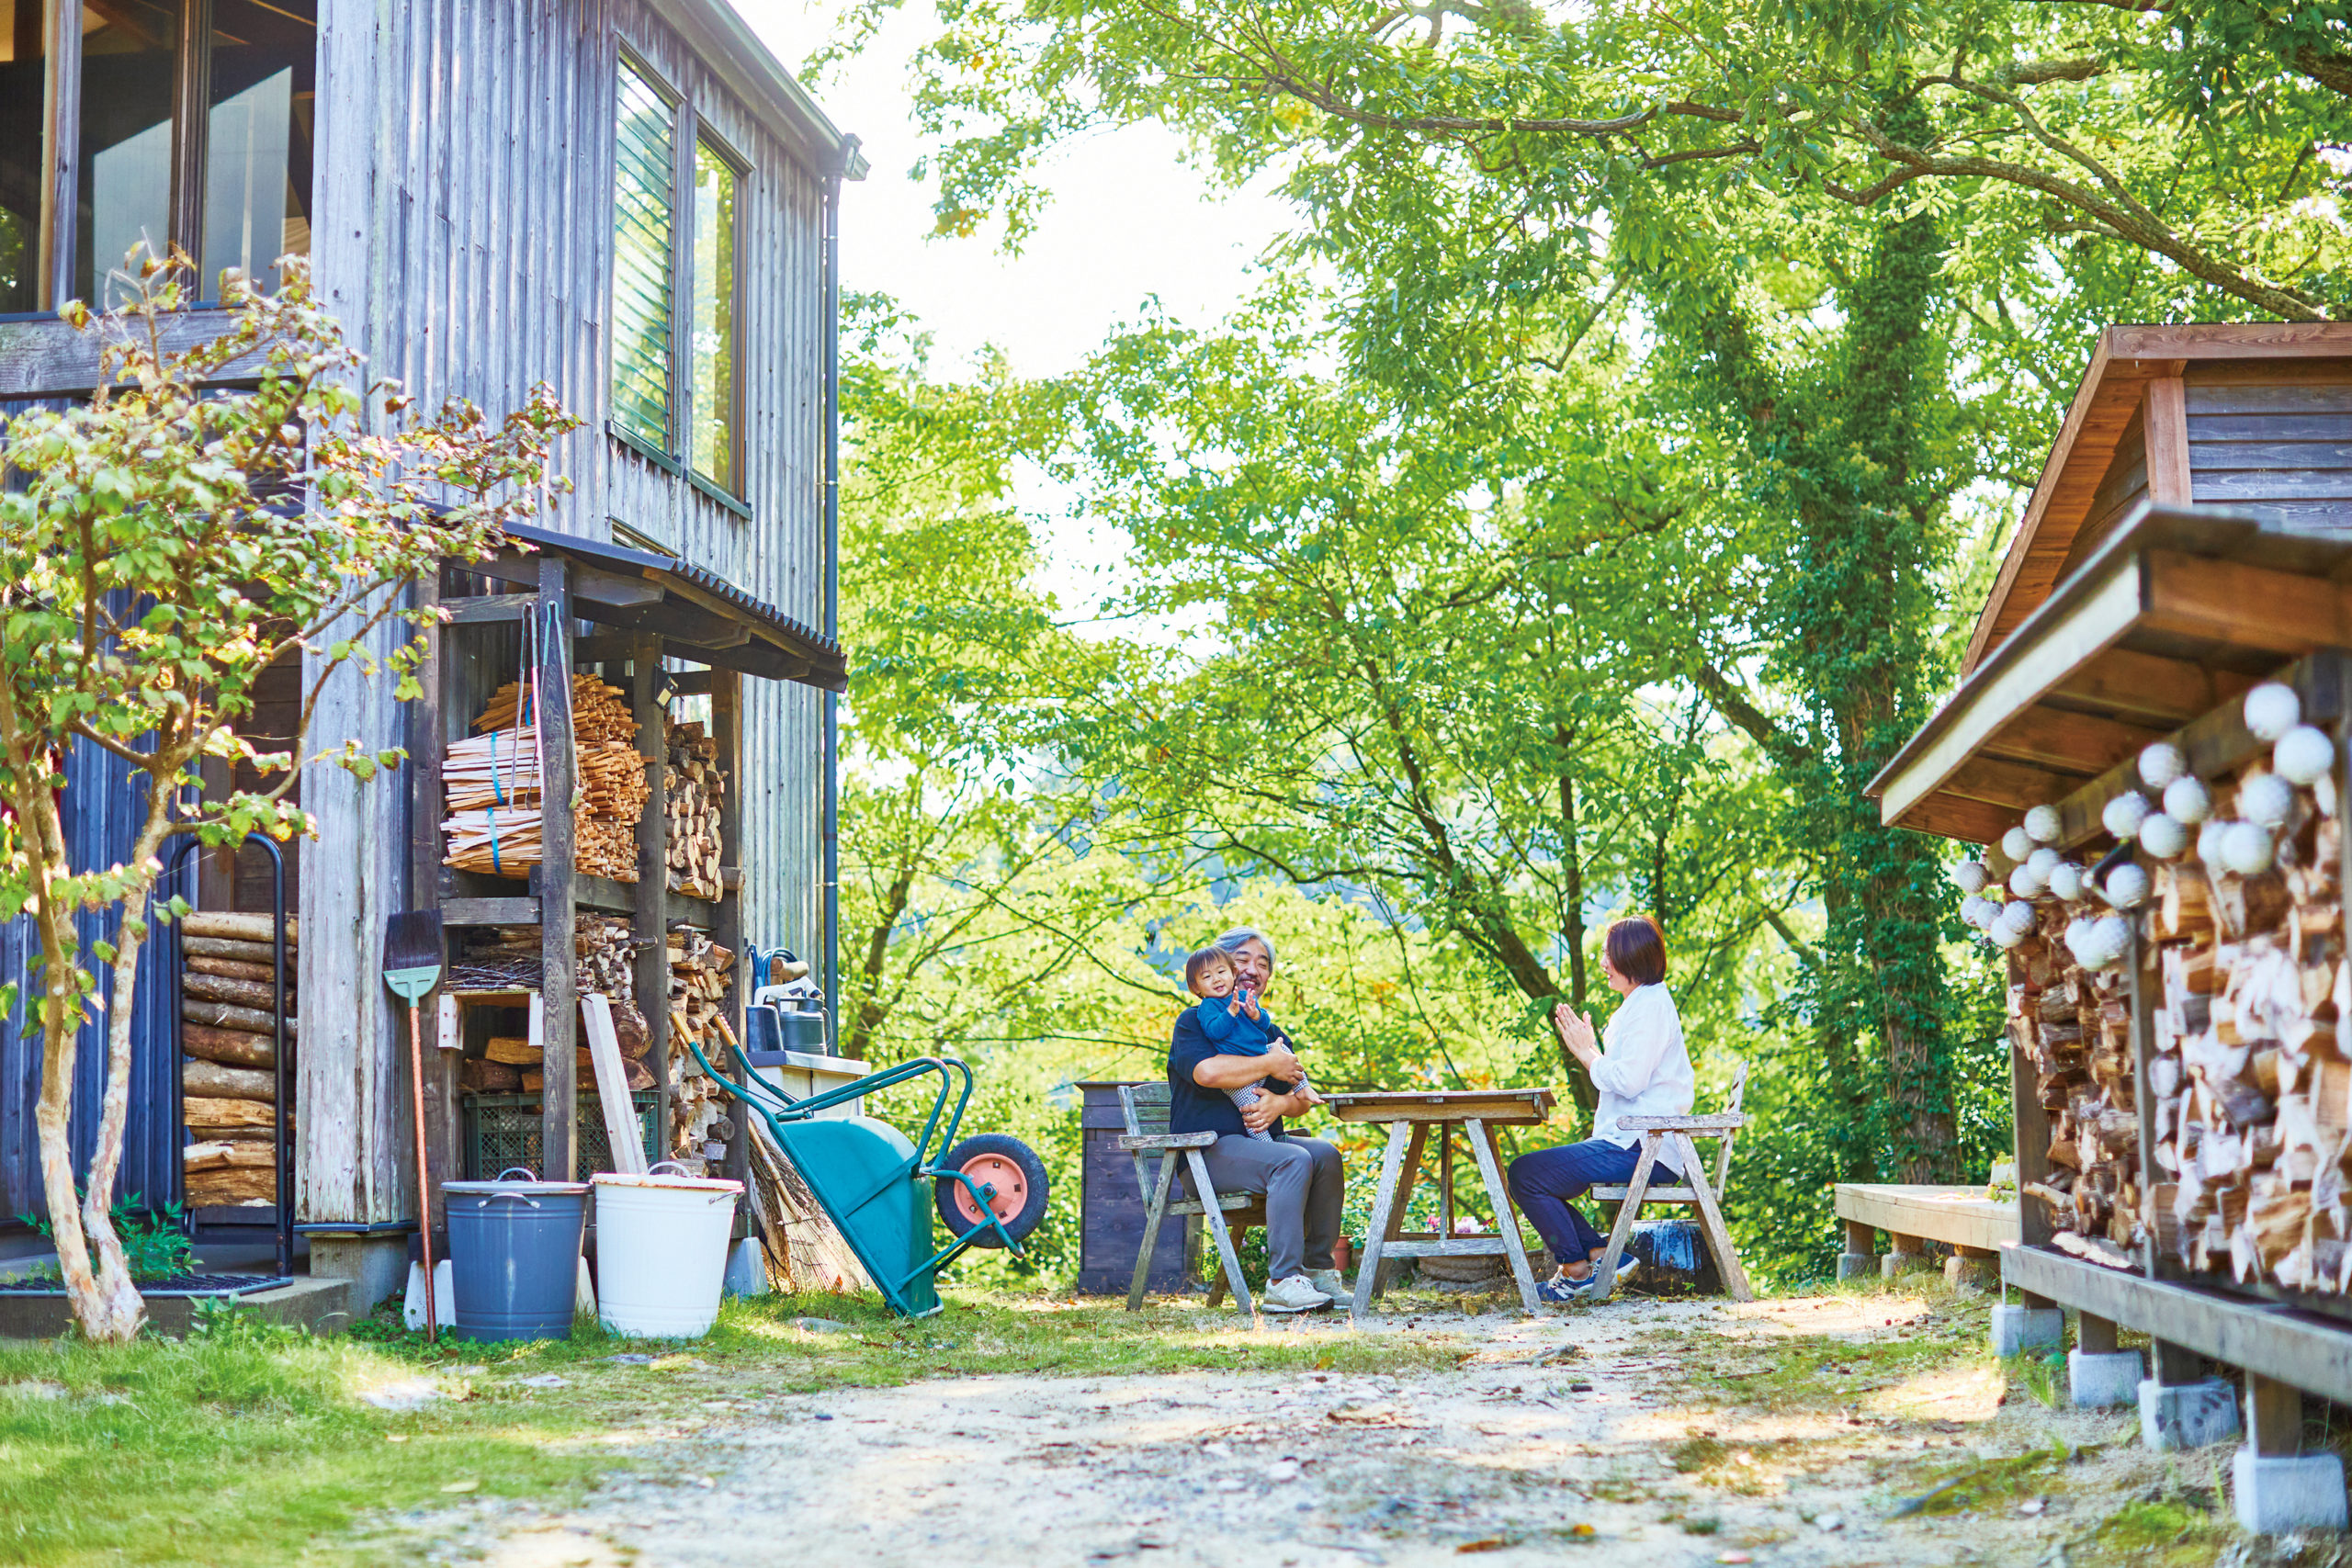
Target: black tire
1001 1147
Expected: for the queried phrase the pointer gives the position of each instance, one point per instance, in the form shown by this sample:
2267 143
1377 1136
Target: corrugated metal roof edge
596 552
717 31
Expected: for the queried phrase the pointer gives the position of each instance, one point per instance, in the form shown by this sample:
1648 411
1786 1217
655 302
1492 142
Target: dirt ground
1651 1432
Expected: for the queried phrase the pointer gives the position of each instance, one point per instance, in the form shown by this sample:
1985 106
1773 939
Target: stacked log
227 1039
501 958
698 985
2233 887
2072 1025
492 789
2249 1080
695 790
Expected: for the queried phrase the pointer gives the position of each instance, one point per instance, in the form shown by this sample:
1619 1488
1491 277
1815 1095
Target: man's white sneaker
1294 1294
1327 1280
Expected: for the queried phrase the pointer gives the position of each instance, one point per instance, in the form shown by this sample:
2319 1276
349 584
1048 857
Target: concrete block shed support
377 1265
1859 1261
2181 1407
1907 1253
2036 1325
1972 1269
2098 1374
2275 1486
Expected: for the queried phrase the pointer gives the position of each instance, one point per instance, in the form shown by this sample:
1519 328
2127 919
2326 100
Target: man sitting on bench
1300 1177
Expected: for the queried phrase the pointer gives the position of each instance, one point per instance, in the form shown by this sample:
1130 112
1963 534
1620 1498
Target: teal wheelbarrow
879 1189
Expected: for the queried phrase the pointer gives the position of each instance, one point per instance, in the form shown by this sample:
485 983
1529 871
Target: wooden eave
698 616
2182 609
2125 360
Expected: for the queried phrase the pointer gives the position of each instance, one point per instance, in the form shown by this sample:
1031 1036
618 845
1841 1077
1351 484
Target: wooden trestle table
1413 1117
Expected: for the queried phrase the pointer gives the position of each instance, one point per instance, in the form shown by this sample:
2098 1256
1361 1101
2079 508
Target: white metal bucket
662 1252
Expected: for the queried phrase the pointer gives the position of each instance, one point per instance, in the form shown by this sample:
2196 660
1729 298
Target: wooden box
1112 1209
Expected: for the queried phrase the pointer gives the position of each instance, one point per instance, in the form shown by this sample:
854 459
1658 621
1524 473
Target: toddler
1231 1018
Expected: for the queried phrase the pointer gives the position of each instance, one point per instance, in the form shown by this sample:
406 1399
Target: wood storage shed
2149 747
628 199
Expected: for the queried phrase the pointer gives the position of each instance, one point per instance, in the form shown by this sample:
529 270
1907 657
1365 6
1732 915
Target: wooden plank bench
1962 1218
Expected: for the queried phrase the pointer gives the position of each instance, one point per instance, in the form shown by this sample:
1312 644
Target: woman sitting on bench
1641 1069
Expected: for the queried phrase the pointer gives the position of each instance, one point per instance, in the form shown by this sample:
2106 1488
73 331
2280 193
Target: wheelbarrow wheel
1009 1170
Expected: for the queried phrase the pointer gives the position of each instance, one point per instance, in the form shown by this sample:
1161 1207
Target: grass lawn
247 1444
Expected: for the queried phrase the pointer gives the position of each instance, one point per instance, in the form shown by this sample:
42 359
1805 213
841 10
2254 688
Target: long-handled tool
412 953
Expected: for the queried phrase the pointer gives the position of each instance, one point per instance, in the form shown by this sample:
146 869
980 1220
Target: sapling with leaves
211 510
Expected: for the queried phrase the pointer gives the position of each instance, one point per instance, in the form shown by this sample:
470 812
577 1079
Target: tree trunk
105 1306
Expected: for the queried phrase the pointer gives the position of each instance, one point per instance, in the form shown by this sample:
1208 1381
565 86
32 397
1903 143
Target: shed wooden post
2164 425
353 1141
727 729
424 747
652 877
2032 1152
559 1087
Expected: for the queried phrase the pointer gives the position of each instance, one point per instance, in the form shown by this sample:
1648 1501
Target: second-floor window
677 340
644 170
190 122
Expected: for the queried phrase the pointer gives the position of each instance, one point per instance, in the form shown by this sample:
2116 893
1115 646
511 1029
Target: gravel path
1525 1453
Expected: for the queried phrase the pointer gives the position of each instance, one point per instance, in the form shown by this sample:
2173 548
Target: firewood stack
228 1082
2249 1083
492 787
2236 884
695 790
508 958
2074 1025
699 1012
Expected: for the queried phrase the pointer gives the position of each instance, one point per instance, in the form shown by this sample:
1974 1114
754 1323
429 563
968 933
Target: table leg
1416 1151
1506 1221
1380 1221
1444 1182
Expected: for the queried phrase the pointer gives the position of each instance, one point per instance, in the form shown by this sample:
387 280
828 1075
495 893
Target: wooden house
630 199
2150 745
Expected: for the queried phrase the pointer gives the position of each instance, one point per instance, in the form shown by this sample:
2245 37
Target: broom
412 953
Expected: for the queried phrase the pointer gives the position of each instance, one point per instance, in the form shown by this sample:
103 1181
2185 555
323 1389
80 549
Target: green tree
169 545
1434 667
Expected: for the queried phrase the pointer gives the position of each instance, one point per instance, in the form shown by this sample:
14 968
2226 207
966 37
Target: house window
643 169
717 420
228 179
24 74
677 392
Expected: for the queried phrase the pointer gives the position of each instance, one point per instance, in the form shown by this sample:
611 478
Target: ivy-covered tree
170 543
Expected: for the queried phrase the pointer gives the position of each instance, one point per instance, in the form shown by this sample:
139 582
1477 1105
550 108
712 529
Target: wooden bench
1673 1136
1962 1218
1145 1106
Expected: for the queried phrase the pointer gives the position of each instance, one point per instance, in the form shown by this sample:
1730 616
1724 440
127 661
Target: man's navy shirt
1190 1108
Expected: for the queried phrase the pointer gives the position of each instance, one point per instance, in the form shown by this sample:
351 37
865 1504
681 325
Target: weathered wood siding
462 236
2274 438
2124 486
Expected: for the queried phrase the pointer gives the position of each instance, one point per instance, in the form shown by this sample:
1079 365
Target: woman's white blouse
1645 1069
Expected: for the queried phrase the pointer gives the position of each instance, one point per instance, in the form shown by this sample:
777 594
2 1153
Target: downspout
828 964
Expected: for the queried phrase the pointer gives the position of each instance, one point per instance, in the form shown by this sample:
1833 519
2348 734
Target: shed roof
2124 360
717 32
698 614
2183 608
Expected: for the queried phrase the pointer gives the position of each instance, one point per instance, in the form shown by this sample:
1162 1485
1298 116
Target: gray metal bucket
514 1255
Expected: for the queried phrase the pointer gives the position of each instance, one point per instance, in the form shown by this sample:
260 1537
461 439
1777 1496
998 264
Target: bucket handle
527 1174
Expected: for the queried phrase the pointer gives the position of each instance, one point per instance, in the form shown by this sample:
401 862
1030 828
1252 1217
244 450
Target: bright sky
1129 221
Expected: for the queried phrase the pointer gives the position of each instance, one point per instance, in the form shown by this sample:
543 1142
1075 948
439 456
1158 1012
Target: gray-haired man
1300 1177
